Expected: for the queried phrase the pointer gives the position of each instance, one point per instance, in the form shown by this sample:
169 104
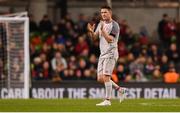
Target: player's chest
107 27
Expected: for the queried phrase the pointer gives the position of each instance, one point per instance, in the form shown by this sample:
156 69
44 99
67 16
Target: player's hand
102 26
90 27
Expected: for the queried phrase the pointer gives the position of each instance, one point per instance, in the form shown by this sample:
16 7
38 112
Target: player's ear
100 18
110 12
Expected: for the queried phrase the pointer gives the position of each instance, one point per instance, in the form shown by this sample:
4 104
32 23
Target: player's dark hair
106 7
165 15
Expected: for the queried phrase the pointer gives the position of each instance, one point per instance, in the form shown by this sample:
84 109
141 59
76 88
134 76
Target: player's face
106 14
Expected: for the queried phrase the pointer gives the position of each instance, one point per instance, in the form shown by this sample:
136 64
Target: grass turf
88 105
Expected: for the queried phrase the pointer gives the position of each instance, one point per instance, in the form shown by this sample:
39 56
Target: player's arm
109 37
91 32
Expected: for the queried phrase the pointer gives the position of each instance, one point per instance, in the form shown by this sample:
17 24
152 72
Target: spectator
130 58
122 72
92 65
36 43
1 61
69 73
1 69
60 39
72 63
164 64
87 75
32 24
143 39
55 30
62 27
82 22
157 75
16 69
178 34
136 69
124 25
82 67
37 69
94 48
81 46
70 47
173 54
47 50
149 68
68 19
136 49
61 48
122 49
128 37
59 64
154 52
161 27
70 32
171 76
45 24
46 70
50 40
144 51
170 32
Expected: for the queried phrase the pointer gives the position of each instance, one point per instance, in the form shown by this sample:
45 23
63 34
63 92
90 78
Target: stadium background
149 60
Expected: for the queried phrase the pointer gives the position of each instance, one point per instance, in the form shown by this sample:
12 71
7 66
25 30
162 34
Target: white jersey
109 50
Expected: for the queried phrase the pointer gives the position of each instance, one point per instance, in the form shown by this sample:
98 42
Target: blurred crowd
63 51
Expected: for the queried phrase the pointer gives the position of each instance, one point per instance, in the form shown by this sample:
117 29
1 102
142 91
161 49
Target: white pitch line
154 104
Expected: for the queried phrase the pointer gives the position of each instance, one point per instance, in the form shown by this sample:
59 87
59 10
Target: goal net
14 56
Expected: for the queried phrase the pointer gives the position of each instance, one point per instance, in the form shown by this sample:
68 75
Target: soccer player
108 33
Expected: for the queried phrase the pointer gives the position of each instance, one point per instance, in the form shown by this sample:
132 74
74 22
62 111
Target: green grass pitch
88 105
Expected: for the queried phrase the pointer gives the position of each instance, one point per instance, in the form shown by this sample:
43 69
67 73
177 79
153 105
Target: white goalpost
14 56
109 3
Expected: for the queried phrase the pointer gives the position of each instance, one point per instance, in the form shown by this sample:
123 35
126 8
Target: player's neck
108 21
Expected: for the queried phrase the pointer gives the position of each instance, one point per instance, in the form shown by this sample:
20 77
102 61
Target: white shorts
106 66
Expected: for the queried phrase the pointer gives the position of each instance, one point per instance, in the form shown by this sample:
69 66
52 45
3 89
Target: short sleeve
98 27
115 30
